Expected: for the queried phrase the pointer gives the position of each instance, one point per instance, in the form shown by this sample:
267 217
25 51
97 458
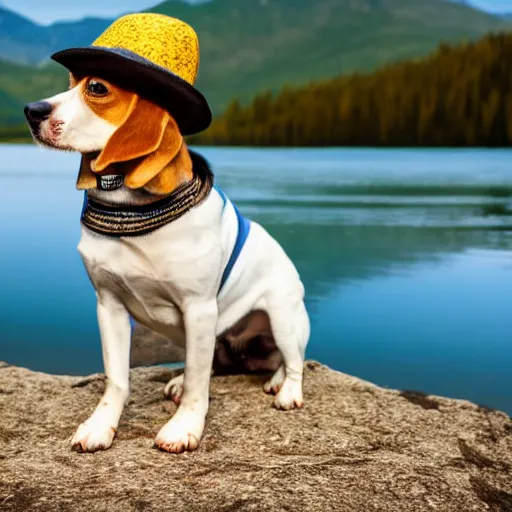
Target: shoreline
21 141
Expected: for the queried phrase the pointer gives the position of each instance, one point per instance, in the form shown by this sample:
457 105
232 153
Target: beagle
165 247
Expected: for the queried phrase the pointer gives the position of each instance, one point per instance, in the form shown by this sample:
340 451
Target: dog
168 279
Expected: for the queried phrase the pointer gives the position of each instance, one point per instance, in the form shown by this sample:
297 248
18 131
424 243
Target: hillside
21 39
25 83
20 84
249 45
459 96
25 42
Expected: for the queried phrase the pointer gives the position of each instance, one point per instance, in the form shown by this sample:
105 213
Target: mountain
20 84
23 83
25 42
21 40
251 45
11 108
506 16
429 102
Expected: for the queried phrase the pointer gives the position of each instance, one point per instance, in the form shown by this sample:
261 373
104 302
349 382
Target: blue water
405 254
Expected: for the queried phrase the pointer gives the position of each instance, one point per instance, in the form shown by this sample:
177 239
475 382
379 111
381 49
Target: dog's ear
86 178
174 174
140 134
164 169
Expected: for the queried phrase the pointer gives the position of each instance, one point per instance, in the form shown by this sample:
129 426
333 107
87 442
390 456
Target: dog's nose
39 111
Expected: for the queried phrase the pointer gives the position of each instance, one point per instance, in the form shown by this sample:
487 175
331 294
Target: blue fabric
84 204
221 194
244 226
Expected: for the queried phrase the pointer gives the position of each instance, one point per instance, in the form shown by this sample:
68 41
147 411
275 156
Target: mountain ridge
458 96
248 46
27 42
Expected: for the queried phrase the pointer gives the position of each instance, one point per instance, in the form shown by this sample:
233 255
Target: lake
405 255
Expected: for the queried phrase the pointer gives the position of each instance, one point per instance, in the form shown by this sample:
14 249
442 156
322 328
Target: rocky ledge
354 447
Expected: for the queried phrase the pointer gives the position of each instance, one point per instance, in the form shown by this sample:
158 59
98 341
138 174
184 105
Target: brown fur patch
115 107
139 135
178 171
140 172
86 178
147 146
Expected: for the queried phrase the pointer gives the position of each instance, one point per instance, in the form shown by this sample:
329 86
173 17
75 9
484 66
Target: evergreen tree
459 96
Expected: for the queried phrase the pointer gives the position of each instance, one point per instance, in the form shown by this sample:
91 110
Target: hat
155 56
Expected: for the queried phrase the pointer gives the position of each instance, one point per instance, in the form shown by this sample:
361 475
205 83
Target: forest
19 133
458 96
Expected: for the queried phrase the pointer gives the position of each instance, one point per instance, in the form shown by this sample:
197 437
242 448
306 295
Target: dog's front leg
184 430
97 433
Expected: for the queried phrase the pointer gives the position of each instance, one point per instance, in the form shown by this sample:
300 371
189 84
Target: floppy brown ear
156 168
140 134
173 175
86 178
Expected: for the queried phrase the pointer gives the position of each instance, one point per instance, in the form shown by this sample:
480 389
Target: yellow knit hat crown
165 41
153 55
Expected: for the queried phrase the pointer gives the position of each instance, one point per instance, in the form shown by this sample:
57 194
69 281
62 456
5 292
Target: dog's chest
144 279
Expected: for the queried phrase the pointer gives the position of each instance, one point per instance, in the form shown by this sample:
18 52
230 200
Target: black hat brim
133 72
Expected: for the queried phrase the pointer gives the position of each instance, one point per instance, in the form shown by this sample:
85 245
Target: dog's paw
182 433
93 435
174 389
273 386
289 396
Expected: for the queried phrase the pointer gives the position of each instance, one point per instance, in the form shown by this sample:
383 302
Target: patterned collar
120 221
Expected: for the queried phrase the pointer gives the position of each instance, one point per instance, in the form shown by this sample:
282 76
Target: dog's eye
97 88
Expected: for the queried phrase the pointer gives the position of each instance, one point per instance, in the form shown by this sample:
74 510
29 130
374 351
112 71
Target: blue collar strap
244 226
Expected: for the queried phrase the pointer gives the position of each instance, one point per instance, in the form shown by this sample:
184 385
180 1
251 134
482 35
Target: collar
120 221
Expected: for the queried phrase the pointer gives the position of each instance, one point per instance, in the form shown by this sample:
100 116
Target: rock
354 447
149 348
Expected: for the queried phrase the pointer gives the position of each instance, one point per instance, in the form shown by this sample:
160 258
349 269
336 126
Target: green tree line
17 133
458 96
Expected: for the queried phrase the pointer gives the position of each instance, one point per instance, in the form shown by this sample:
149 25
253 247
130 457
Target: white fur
168 280
73 126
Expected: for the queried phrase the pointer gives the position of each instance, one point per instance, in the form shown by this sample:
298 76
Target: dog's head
116 130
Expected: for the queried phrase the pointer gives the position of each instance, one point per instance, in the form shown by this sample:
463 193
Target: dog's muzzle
37 112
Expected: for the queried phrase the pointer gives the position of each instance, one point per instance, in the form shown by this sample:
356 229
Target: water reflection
405 262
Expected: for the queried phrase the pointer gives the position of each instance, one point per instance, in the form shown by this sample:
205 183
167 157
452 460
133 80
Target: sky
493 5
47 11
